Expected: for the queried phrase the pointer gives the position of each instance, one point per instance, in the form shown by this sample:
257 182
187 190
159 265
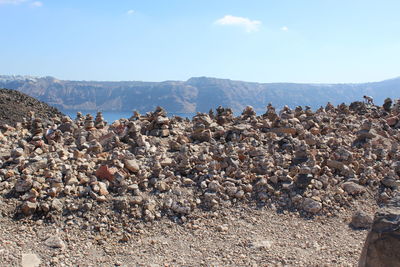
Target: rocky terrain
215 190
195 94
16 106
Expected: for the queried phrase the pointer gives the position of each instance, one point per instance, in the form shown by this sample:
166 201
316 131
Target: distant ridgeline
196 94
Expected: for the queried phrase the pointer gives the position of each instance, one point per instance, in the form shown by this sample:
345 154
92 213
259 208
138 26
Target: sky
319 41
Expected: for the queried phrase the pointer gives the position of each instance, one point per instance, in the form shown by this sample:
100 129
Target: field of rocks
285 188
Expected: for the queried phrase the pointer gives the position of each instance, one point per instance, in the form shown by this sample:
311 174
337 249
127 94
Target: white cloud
249 25
37 4
12 2
17 2
130 12
284 28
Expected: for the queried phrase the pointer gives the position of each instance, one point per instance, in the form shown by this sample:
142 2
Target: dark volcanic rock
382 247
359 107
15 106
361 220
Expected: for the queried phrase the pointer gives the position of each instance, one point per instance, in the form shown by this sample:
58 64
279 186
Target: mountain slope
195 94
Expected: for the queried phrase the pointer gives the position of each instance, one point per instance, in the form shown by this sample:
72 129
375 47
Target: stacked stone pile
150 165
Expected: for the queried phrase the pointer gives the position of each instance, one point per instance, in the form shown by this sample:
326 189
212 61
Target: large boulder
382 246
361 220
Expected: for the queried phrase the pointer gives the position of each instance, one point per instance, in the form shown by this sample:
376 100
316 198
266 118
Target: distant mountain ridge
195 94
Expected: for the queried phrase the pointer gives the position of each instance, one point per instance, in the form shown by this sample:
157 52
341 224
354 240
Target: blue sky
155 40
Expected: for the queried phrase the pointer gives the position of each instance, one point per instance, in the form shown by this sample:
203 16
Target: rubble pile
149 166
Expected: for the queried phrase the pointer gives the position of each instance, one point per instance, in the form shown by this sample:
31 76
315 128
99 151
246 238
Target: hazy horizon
219 78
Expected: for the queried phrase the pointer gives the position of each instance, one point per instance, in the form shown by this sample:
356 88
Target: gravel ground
238 236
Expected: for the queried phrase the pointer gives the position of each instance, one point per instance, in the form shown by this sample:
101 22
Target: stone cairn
99 122
89 123
37 128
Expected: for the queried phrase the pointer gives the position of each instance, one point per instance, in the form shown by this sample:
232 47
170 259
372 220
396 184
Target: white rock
30 260
131 165
55 242
261 244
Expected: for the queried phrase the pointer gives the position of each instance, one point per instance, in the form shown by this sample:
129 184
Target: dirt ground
238 236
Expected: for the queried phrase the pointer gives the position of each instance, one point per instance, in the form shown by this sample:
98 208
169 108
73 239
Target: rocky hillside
313 162
195 94
15 106
85 176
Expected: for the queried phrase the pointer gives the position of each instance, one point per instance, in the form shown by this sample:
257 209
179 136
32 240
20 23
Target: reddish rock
106 138
392 120
78 154
105 172
28 208
37 143
284 130
9 174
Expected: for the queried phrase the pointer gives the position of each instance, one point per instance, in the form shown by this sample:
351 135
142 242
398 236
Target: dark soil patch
15 106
